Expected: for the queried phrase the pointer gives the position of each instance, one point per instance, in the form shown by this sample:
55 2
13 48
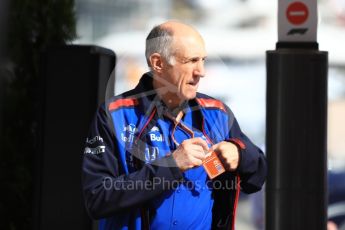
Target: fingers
194 161
198 142
195 148
190 153
214 147
201 142
185 160
228 155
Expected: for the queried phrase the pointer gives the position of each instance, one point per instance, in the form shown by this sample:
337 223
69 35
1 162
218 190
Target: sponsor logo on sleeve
94 140
95 151
128 133
91 148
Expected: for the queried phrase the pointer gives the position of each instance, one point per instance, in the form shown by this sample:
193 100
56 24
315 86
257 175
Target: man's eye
194 60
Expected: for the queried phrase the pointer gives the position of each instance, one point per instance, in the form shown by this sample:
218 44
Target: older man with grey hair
163 156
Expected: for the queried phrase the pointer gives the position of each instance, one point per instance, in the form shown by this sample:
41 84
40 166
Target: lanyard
177 122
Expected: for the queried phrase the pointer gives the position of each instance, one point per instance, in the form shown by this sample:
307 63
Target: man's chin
190 96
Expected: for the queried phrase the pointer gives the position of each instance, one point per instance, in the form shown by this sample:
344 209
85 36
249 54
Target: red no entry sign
297 13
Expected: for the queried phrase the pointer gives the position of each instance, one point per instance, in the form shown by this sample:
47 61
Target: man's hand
228 154
190 153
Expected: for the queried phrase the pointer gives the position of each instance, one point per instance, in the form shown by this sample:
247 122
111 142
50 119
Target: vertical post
296 123
296 139
4 75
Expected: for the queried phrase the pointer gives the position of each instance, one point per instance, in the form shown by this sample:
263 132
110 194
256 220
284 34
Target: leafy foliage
33 25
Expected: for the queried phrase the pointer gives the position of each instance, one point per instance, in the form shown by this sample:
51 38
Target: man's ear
156 62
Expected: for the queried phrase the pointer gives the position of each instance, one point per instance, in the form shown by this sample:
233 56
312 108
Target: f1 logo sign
297 20
297 31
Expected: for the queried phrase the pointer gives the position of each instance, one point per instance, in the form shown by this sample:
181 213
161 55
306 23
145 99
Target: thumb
214 147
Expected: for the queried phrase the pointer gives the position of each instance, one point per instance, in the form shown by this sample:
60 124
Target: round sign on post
297 21
297 13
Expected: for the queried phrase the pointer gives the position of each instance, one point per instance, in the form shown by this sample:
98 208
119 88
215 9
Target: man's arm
238 154
107 189
252 166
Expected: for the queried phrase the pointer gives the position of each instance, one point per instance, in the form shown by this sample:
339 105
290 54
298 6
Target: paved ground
243 220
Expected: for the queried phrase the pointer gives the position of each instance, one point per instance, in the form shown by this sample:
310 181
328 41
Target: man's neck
170 99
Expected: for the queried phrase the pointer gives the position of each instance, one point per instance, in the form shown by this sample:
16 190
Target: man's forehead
189 46
188 38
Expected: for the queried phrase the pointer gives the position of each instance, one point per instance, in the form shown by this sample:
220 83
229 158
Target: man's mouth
193 83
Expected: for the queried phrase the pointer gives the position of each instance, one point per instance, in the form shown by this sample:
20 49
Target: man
144 159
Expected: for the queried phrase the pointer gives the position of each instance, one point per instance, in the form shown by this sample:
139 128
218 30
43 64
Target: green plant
33 25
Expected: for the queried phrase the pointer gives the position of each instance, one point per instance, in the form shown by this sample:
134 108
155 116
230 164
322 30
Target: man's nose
200 69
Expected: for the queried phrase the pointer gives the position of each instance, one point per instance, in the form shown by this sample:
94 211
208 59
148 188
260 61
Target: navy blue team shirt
131 181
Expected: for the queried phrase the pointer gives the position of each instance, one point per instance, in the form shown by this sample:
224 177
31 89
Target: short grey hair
159 40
